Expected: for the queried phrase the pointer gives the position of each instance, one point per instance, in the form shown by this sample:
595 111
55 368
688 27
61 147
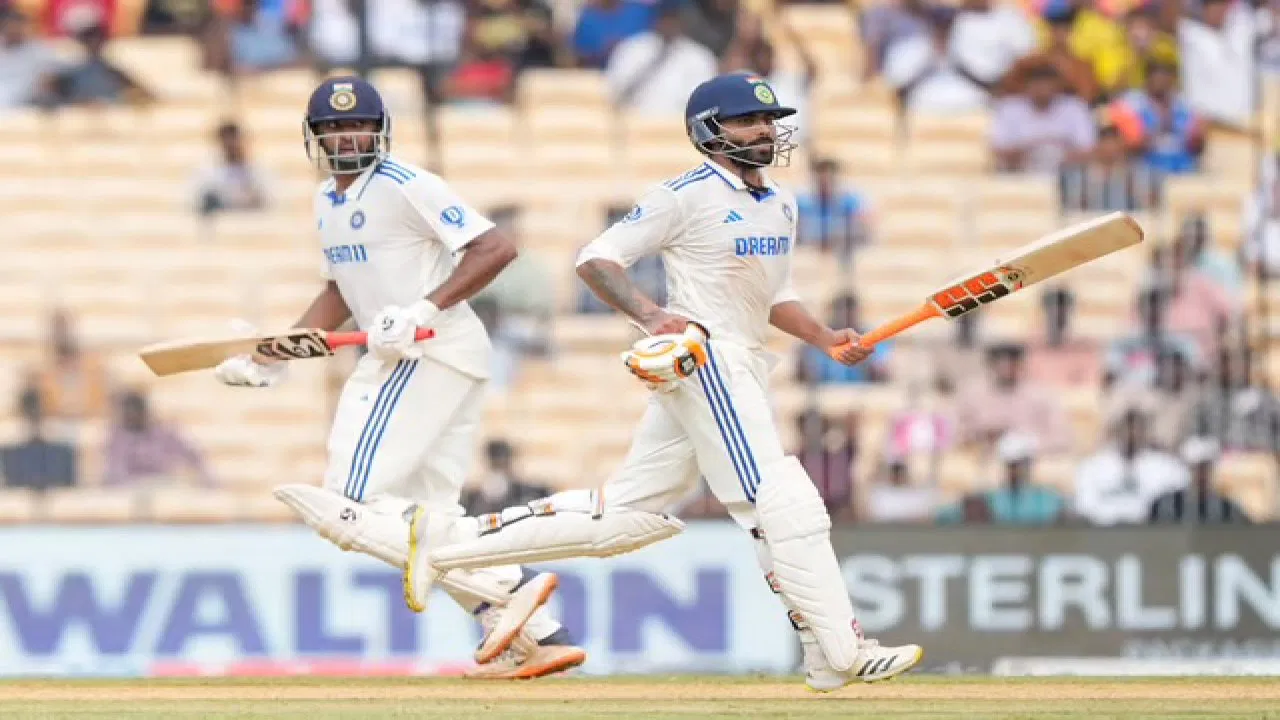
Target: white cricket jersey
390 240
726 249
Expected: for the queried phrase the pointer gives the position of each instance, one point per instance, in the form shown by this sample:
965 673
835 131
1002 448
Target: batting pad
543 537
352 526
797 528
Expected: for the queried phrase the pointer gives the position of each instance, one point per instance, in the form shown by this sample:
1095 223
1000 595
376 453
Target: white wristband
423 312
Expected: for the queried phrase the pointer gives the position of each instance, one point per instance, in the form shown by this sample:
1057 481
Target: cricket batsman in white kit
725 233
403 433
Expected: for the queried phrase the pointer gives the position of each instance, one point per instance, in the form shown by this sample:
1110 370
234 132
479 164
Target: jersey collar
356 188
735 182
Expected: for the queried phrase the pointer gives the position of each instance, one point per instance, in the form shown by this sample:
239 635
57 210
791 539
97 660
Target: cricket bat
179 356
1049 256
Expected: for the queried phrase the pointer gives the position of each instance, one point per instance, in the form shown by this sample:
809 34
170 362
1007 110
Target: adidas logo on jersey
732 217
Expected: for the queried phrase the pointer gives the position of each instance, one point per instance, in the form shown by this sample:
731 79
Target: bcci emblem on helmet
343 97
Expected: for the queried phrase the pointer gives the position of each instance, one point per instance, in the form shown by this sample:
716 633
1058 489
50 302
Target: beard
758 153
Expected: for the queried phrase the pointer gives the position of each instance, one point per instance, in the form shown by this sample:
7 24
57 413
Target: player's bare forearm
609 281
327 312
794 319
485 257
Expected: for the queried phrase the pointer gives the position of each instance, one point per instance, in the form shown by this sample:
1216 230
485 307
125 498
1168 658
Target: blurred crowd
1109 96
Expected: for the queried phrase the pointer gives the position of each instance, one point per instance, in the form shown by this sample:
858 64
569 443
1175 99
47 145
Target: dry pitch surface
655 698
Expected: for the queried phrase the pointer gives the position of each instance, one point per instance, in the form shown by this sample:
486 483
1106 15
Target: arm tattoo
610 283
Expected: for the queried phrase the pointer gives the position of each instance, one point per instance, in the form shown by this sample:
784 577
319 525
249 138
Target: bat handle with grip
359 337
883 332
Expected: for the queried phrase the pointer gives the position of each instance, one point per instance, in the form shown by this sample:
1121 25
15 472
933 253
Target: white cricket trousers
717 424
405 429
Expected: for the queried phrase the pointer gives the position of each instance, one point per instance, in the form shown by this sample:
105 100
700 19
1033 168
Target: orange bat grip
357 337
879 334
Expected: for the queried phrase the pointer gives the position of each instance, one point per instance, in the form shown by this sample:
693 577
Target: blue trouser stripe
383 395
382 427
728 444
715 400
735 425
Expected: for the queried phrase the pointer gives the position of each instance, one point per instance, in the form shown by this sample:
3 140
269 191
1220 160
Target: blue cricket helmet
346 98
737 95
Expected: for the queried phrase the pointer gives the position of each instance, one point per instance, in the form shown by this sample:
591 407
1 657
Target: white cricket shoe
426 530
874 663
526 659
504 624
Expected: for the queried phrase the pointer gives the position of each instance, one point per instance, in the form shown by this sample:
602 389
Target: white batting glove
244 371
391 336
662 360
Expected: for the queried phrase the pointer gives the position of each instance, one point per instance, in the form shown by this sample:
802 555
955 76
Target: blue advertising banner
151 600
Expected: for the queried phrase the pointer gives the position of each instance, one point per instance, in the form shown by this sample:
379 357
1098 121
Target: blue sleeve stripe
690 176
689 179
396 167
400 180
394 171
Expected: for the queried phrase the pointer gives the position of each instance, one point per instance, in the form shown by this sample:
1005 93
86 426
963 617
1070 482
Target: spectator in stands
716 24
929 74
833 216
27 64
1217 51
520 31
1268 19
1043 128
828 450
602 24
992 35
1117 484
1017 501
1147 40
95 79
1243 415
1168 401
73 383
234 183
141 449
1200 503
483 76
1132 359
252 38
1198 307
1057 52
924 425
888 23
424 36
1092 35
1061 359
815 366
654 72
893 498
69 17
501 486
1261 224
1006 402
37 462
523 290
1192 244
1158 124
1109 180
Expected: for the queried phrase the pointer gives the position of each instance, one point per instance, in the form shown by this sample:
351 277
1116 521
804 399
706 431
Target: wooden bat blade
1034 262
179 356
1051 255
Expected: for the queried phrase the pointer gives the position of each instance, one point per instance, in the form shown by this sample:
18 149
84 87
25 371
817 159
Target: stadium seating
100 214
